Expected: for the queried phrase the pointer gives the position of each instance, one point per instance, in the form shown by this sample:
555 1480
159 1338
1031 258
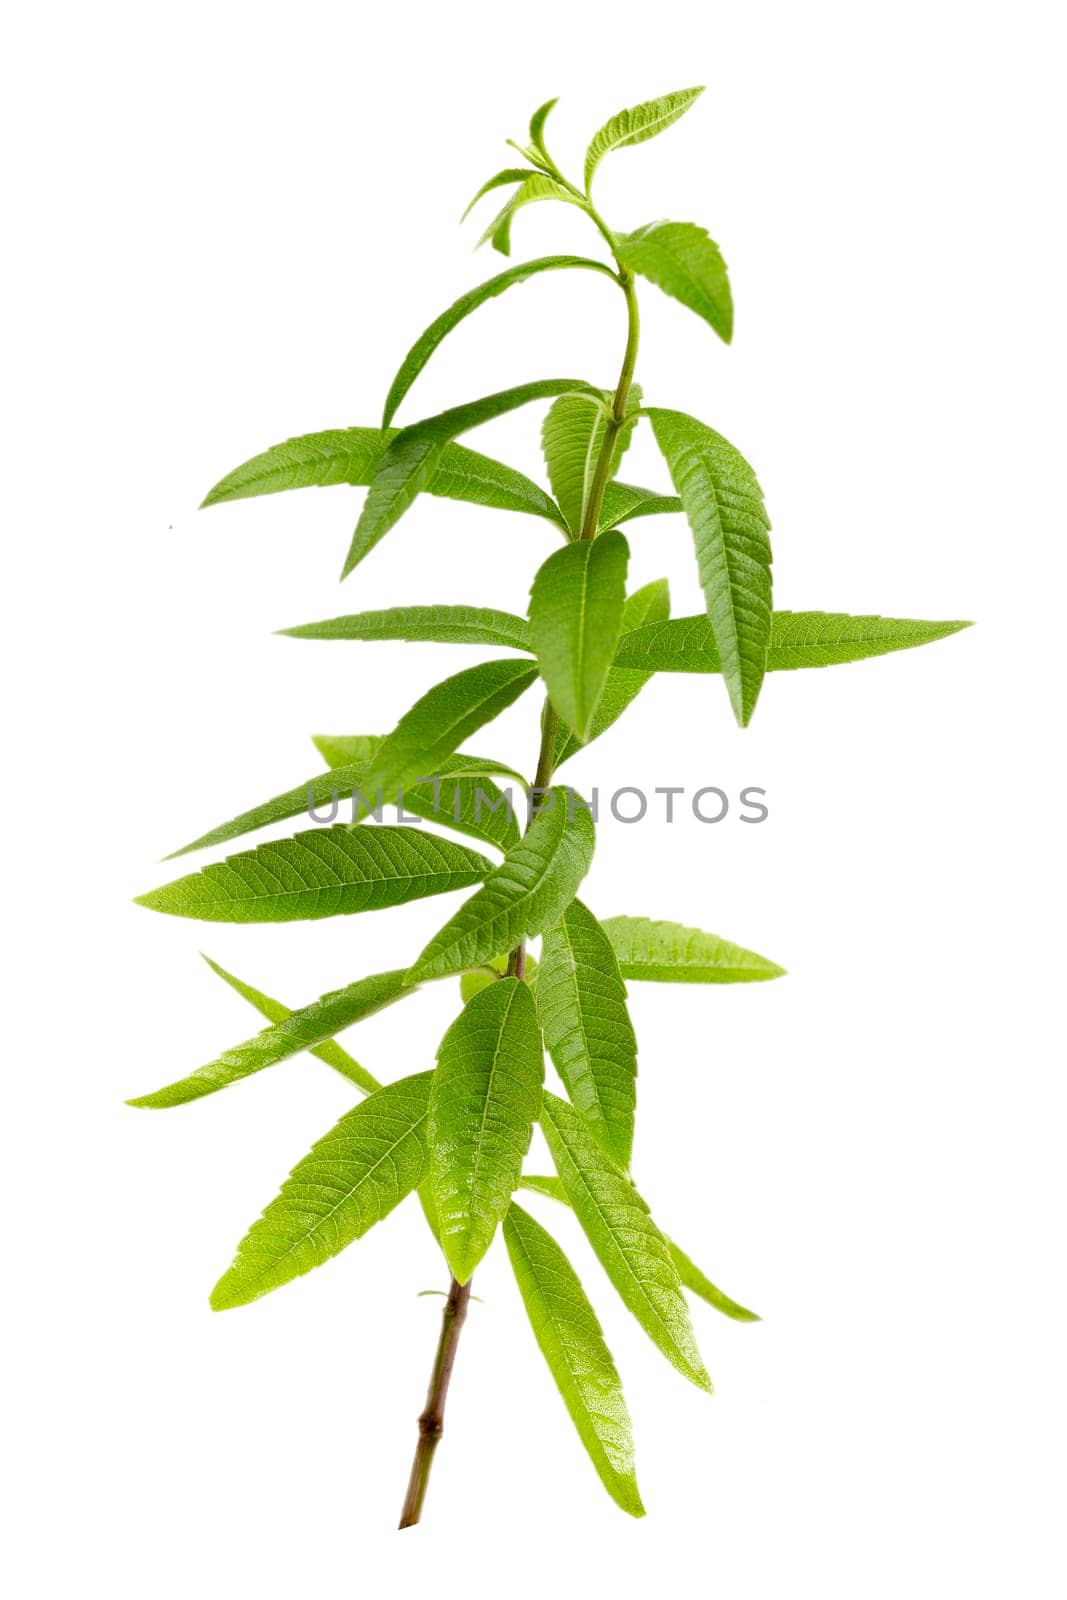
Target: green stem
432 1420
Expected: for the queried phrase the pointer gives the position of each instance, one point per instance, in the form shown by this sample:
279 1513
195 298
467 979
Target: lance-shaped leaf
685 263
572 1343
724 505
635 125
499 180
358 749
528 892
413 457
689 1274
350 1180
667 952
484 1101
572 437
329 1051
291 1033
651 603
438 723
629 1246
353 455
625 502
576 609
423 625
471 805
538 186
581 1003
479 978
323 872
427 342
798 639
537 129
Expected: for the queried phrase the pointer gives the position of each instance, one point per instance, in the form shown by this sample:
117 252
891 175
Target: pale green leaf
499 180
689 1274
629 1246
479 978
357 749
329 1051
323 872
427 342
798 639
537 128
538 186
484 1100
412 458
581 1004
528 892
296 1031
350 1180
680 259
572 1343
576 613
651 603
572 437
667 952
724 505
353 455
438 723
635 125
423 625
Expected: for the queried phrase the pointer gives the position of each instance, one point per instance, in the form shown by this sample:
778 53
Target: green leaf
629 1246
581 1003
350 1180
438 723
358 749
572 1343
689 1274
484 1101
572 436
624 502
576 608
471 805
412 458
724 505
423 625
479 978
353 455
537 128
538 186
323 872
636 125
697 1283
528 892
798 639
499 180
296 1031
329 1051
651 603
680 259
427 342
667 952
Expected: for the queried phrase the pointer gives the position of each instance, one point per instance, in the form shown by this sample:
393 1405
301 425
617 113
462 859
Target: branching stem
432 1420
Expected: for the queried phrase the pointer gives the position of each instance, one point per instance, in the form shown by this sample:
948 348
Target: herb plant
457 1136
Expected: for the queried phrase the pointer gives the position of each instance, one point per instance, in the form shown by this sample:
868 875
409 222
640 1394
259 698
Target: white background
227 224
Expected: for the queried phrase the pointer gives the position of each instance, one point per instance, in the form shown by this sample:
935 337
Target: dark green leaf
724 505
631 1249
624 502
651 603
427 342
351 1179
296 1031
572 437
484 1100
581 1003
528 892
322 872
576 612
572 1343
682 261
667 952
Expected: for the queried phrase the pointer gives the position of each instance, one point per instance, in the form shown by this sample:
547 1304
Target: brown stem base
432 1421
